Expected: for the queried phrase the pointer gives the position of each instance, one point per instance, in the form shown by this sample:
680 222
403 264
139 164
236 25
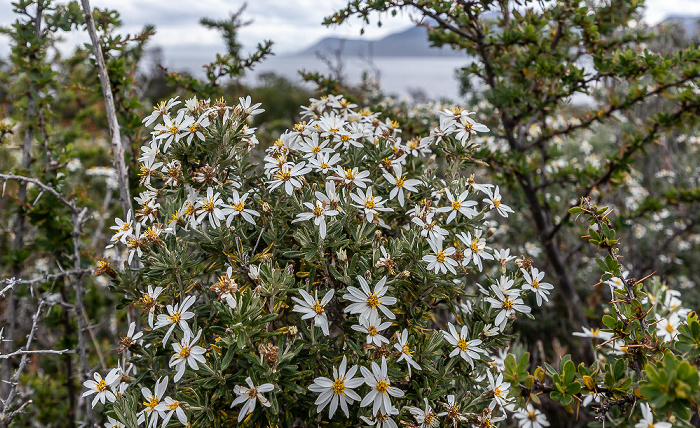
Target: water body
435 76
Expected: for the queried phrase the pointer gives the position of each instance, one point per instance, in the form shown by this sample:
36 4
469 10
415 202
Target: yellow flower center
406 350
532 416
101 385
174 129
318 308
208 206
497 201
351 174
174 318
174 405
184 352
125 227
151 403
372 331
316 149
475 245
318 211
441 257
239 206
507 303
669 328
382 386
400 182
339 386
456 205
497 391
372 300
369 203
462 344
334 130
536 285
283 174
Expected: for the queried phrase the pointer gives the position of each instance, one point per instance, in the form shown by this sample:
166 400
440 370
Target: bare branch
45 187
37 351
6 417
49 276
110 111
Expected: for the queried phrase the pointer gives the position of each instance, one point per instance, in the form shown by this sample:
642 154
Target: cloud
291 24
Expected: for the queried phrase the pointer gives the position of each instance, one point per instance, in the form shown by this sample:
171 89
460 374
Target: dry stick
18 242
6 418
77 219
36 351
49 276
110 111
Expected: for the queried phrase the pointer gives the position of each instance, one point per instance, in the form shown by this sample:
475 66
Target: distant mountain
690 24
410 42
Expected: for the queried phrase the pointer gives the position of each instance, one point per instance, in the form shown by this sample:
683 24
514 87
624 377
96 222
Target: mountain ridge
410 42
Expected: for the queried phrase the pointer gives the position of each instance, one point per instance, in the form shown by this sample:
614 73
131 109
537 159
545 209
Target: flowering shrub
344 270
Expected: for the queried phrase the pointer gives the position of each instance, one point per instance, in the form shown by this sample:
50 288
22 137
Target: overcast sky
291 24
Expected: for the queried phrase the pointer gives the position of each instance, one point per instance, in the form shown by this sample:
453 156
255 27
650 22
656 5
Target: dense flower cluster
376 240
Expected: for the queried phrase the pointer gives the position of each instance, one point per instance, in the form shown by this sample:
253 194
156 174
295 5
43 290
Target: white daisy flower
648 419
378 380
289 174
249 395
499 389
168 406
149 300
367 302
381 419
441 260
530 418
237 207
426 418
372 327
102 388
337 391
186 353
210 207
314 308
177 315
370 205
494 201
123 229
460 204
464 347
318 214
152 399
430 228
667 328
507 300
159 110
594 333
534 283
324 162
475 249
400 183
406 353
248 108
351 177
171 130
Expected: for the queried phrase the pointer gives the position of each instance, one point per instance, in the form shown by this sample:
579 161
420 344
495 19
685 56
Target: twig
6 418
49 276
38 351
110 111
77 219
45 187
